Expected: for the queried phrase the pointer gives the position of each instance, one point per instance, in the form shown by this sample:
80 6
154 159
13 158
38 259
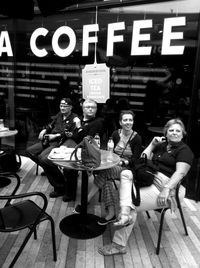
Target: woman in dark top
128 145
174 159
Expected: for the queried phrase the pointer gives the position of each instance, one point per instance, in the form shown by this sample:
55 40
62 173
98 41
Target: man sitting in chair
62 128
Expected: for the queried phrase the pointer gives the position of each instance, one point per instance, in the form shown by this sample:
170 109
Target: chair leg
53 238
182 217
113 180
21 248
148 215
35 234
100 192
160 230
37 167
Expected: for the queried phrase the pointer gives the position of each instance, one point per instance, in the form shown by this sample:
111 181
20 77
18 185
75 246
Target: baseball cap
66 101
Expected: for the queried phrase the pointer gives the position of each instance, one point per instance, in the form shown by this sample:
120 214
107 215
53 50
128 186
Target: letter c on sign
72 41
38 52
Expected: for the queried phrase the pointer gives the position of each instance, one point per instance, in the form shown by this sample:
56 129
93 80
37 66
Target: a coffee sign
170 33
96 82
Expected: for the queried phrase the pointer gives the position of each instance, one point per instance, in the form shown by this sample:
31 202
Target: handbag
9 159
143 171
90 153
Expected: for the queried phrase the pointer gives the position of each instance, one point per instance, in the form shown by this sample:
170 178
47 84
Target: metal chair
24 214
162 212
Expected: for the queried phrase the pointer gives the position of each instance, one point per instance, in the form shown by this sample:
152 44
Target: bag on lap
9 159
90 153
143 171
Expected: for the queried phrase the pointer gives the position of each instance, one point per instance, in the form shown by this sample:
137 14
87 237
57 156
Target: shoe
67 198
77 209
124 220
111 249
55 194
103 221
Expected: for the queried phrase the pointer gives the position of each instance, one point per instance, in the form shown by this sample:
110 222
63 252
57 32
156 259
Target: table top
108 160
158 130
7 133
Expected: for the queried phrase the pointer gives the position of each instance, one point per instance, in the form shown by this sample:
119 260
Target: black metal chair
24 214
162 212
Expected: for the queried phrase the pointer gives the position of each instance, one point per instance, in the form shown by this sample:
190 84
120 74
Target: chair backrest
14 176
5 213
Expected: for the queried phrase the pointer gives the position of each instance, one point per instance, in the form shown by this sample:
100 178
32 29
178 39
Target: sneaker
77 209
103 221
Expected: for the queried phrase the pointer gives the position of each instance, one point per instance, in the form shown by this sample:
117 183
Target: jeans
148 197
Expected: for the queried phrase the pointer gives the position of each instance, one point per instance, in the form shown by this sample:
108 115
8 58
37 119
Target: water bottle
1 124
97 139
110 145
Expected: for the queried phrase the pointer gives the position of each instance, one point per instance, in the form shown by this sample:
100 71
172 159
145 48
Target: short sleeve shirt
166 160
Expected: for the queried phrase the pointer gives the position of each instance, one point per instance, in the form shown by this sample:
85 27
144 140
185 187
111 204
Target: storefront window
157 86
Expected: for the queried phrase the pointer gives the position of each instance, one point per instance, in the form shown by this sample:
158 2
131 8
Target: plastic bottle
1 123
97 139
110 145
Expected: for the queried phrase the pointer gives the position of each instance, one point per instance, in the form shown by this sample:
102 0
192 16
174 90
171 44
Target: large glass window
157 86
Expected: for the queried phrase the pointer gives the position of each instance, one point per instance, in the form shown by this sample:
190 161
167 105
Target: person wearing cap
59 131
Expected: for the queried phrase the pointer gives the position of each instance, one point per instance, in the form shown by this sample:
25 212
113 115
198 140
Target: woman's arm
181 171
150 148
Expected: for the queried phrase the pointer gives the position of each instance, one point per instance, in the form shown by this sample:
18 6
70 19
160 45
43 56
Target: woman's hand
41 134
77 121
163 196
156 140
52 137
68 134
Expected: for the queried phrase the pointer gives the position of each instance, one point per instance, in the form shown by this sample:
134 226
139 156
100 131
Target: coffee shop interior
157 86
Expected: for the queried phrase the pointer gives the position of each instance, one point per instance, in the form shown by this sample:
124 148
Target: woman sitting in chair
128 145
174 159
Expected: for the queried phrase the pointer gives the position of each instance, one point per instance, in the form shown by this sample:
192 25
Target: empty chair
24 214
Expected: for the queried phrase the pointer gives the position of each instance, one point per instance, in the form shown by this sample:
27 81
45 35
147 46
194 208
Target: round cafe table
156 130
84 225
4 133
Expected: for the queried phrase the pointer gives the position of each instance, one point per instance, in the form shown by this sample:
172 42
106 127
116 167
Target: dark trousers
40 156
66 181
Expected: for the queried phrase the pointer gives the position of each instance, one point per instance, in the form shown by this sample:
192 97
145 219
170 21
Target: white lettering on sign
86 39
64 52
111 38
38 52
95 81
4 39
137 48
168 35
137 37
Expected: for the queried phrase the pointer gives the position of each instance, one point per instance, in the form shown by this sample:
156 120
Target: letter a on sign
96 82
